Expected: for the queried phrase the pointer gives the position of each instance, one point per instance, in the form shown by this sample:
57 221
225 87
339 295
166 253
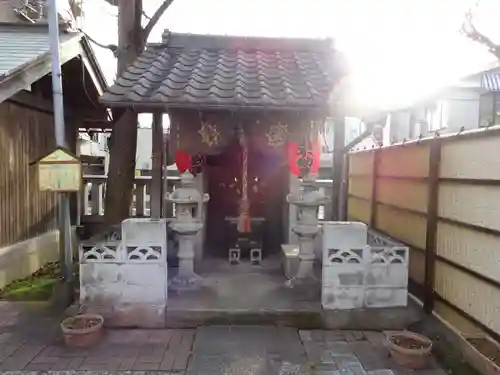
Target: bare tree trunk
123 146
131 41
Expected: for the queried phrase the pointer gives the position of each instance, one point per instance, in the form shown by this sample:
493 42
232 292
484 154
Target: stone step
362 319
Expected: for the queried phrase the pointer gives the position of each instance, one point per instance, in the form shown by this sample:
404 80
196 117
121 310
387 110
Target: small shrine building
240 108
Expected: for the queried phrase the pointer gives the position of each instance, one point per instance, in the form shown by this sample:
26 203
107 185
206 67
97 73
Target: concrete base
183 283
246 295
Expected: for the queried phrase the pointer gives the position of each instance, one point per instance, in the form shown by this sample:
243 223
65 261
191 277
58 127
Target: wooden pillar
432 223
374 202
338 164
71 129
156 201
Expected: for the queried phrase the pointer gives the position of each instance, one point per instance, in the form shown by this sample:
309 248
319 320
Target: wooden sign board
59 171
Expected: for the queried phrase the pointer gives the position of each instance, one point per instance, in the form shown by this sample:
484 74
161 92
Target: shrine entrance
267 186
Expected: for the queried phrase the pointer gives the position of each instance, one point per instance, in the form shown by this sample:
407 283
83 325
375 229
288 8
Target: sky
398 50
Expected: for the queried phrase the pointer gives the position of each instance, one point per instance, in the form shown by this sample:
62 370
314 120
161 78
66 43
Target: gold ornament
277 134
209 134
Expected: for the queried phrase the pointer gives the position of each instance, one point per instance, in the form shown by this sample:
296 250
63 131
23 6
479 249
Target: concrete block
101 251
388 267
337 276
145 232
386 275
234 255
342 298
144 253
290 260
386 297
135 294
144 274
131 315
256 256
344 235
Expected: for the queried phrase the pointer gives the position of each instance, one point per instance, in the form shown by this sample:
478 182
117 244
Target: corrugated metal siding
491 81
24 210
21 45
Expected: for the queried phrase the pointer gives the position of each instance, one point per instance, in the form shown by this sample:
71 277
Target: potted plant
82 331
409 349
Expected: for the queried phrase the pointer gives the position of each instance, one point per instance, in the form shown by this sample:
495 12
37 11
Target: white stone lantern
186 198
307 200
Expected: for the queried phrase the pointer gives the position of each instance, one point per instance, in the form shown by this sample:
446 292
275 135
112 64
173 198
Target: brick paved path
30 341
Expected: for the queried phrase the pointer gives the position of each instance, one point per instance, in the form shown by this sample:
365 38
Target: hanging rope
244 218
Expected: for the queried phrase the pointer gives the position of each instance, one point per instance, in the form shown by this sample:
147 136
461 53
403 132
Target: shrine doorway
267 188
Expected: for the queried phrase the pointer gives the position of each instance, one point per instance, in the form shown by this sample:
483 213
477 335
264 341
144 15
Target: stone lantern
186 199
307 200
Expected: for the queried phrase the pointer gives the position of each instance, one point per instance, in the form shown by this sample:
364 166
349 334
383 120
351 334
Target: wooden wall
440 196
25 134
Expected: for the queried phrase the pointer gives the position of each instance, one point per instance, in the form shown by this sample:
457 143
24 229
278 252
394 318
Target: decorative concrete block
343 277
386 296
346 235
345 266
386 279
388 266
290 260
102 252
234 256
342 298
118 289
146 233
256 256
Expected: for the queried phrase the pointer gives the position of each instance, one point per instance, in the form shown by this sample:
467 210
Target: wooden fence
93 193
441 196
25 211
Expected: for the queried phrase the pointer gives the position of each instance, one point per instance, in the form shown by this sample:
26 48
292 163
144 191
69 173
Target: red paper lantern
182 160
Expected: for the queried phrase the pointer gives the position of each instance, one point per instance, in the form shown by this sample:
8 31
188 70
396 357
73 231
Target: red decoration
292 153
182 160
316 151
303 161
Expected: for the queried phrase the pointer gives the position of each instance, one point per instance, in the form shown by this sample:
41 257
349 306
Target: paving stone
38 367
340 349
333 336
62 364
317 335
372 357
146 366
435 371
314 351
374 337
126 363
324 367
184 351
305 335
75 363
350 367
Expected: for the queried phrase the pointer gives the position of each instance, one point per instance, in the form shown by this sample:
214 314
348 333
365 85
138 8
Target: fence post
432 222
374 205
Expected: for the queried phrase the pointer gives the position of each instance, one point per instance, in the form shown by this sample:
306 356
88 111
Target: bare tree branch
155 18
145 15
470 31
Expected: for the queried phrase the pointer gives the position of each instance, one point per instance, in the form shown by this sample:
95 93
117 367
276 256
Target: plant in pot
82 331
409 349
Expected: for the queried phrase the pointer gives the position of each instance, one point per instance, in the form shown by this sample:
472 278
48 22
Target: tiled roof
22 45
205 71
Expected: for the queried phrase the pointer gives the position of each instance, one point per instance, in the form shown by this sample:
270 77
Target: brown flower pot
409 349
82 331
